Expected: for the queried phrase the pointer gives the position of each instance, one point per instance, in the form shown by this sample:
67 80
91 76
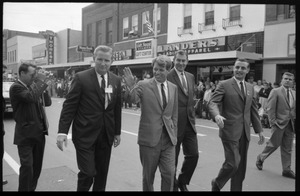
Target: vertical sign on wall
50 46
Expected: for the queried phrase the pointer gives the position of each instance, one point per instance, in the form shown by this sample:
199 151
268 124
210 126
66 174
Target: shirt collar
23 83
178 72
159 83
105 75
238 81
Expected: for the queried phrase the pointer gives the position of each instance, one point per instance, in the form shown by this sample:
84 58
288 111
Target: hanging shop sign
143 48
85 49
123 55
194 46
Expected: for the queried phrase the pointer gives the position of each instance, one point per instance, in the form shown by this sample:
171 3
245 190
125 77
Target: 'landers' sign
194 47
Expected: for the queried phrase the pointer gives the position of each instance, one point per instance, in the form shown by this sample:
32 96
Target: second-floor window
89 35
125 27
134 23
158 19
209 14
145 18
234 12
276 12
187 16
99 33
109 31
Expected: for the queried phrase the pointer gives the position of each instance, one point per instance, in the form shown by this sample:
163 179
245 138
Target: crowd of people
93 108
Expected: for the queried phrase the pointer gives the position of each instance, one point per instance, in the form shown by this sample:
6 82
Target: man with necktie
157 135
28 97
281 109
187 134
238 110
93 104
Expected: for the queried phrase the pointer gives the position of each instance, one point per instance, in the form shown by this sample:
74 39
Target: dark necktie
163 96
184 84
102 85
243 91
288 95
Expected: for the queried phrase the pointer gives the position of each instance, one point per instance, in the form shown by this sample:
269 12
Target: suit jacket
85 108
186 112
153 116
238 114
279 111
28 114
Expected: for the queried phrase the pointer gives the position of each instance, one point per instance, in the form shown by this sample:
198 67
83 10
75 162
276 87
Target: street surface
125 173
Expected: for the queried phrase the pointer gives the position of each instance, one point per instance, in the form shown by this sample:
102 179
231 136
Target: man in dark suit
4 67
187 134
157 134
93 105
28 98
281 109
238 110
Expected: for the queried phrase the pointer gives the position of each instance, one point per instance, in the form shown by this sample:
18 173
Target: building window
99 33
109 31
145 18
234 12
125 27
135 23
158 19
209 14
277 12
187 16
89 34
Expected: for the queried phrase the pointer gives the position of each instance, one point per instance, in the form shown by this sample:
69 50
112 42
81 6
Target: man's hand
117 140
60 140
261 138
220 121
128 77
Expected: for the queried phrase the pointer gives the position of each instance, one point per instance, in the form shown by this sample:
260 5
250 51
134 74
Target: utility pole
155 31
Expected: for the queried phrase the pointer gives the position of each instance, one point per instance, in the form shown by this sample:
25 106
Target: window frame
125 30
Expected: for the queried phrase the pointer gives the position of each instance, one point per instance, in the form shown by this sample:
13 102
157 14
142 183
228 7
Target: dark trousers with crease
235 164
189 144
93 164
31 161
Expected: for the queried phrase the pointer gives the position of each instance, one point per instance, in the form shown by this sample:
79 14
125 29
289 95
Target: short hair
181 52
242 60
24 67
162 61
288 74
103 48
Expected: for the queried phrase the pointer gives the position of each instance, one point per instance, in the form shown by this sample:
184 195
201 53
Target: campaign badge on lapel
109 90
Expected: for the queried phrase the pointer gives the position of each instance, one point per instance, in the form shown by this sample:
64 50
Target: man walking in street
238 110
281 109
187 134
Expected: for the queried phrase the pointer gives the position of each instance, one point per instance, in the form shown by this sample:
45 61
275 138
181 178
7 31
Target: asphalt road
125 173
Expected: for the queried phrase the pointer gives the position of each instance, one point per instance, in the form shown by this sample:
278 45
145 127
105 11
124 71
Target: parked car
5 94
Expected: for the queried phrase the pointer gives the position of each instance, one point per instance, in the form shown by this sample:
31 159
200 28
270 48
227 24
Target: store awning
198 57
66 65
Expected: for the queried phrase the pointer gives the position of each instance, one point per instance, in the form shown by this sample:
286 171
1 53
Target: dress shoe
289 174
4 182
259 163
214 186
182 187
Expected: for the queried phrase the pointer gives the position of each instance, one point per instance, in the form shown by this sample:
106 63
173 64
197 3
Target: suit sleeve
255 119
271 107
175 110
215 100
70 106
118 109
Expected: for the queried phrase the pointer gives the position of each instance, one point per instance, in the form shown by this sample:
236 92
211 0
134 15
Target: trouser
163 156
93 163
31 161
235 164
284 139
189 144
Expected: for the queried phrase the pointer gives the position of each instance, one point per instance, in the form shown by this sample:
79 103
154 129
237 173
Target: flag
148 23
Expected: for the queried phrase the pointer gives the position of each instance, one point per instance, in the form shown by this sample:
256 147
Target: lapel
170 93
155 90
93 75
236 88
285 95
177 79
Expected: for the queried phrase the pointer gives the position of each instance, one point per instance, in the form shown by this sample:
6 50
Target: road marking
13 164
129 132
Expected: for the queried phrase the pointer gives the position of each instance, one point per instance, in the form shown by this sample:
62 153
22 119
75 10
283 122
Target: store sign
50 47
85 49
194 47
123 55
143 49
